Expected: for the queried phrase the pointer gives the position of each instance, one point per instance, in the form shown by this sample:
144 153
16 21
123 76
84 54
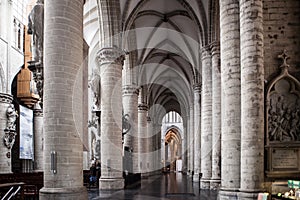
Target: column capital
5 98
143 106
38 112
130 89
197 87
215 53
110 55
205 52
215 47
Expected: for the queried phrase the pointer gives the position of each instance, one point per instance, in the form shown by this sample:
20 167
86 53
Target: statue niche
282 128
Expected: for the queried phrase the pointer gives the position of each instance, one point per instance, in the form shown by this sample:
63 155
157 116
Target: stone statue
95 120
94 84
126 125
11 117
36 29
10 130
9 138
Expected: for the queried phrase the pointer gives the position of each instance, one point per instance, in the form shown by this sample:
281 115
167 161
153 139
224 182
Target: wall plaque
285 159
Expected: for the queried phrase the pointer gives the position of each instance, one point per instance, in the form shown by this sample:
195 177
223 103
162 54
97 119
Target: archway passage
172 142
172 148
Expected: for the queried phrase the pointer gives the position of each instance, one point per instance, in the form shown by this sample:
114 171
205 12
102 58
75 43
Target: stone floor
174 186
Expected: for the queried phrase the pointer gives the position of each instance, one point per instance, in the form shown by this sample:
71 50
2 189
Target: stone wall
281 31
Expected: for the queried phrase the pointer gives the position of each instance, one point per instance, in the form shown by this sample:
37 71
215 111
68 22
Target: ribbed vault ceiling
165 37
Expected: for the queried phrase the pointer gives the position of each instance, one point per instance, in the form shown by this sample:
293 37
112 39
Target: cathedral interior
204 92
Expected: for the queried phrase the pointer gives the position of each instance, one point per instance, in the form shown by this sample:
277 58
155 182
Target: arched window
19 37
15 33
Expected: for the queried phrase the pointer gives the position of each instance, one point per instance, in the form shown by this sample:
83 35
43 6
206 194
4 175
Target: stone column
155 152
197 132
186 130
230 97
252 98
150 156
191 141
165 155
130 104
148 148
63 47
184 147
130 108
206 119
111 61
110 58
142 132
158 148
216 118
172 159
5 148
38 138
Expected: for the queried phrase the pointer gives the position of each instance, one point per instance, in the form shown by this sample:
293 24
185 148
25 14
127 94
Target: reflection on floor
174 186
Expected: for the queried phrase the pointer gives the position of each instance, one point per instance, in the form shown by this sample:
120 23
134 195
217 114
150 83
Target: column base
145 175
111 183
215 184
205 184
63 193
228 194
196 177
248 194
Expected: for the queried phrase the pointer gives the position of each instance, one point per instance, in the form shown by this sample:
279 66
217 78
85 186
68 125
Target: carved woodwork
25 85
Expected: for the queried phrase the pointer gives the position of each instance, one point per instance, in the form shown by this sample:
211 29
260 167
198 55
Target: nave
173 186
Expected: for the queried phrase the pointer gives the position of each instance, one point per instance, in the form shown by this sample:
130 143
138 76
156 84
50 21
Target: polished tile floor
173 186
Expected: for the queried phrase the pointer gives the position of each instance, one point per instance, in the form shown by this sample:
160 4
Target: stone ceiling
166 37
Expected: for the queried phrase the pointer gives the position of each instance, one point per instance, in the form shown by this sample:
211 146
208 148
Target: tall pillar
130 112
63 47
184 147
111 61
38 138
142 132
186 130
6 145
130 104
156 130
191 141
164 154
158 148
150 154
148 148
206 119
230 97
197 132
252 98
216 118
156 158
172 152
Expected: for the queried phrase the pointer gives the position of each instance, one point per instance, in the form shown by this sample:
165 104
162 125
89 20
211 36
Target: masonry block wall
281 31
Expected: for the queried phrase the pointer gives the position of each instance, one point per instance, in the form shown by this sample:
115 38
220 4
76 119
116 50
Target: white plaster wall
3 64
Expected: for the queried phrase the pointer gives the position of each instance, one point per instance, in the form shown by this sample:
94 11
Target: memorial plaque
285 159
